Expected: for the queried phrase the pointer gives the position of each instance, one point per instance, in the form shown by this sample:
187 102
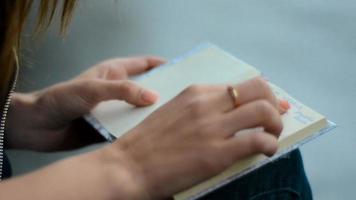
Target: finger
96 91
76 98
138 65
91 92
243 145
284 106
258 113
251 90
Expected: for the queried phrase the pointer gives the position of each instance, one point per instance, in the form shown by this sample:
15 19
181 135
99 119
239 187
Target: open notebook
208 64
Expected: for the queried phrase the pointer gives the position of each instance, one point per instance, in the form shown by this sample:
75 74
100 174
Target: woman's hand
50 119
199 134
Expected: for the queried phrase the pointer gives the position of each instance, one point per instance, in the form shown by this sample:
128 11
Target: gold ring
233 92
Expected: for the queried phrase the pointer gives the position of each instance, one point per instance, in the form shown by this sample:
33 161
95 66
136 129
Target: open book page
208 65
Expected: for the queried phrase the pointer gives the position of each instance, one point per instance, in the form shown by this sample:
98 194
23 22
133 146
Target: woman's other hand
50 119
198 134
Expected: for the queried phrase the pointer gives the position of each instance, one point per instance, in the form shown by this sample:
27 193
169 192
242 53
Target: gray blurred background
307 47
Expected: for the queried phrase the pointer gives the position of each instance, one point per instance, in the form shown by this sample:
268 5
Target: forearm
97 175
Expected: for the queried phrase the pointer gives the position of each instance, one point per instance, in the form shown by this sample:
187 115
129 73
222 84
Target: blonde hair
13 15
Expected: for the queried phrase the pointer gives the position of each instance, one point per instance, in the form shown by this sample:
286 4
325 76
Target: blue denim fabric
283 179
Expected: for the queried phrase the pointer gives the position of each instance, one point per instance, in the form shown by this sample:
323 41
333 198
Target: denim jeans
283 179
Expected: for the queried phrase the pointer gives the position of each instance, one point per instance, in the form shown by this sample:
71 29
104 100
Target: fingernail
282 111
149 96
284 104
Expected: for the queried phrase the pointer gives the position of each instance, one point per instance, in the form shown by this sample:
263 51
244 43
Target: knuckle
126 87
262 87
89 91
272 148
114 71
263 145
205 128
109 66
258 142
197 108
264 110
193 89
88 83
277 124
260 83
269 116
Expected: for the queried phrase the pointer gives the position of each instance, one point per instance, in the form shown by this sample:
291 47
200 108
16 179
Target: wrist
22 107
121 177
